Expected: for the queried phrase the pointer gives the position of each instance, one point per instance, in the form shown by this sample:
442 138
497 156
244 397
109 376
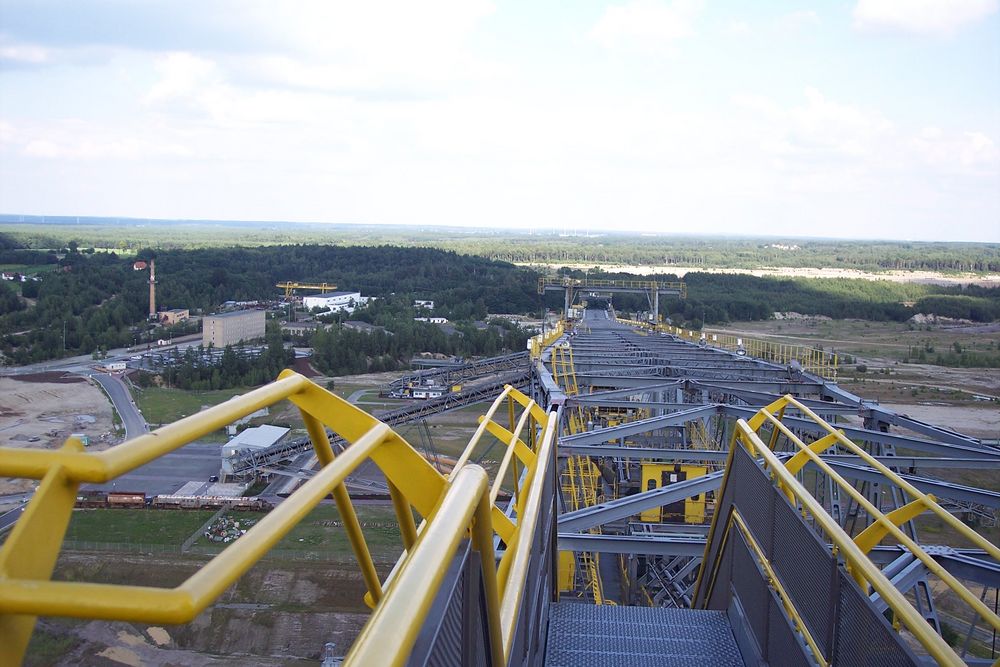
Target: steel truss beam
620 508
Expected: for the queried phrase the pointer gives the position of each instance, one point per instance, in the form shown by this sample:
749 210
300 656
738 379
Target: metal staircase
581 634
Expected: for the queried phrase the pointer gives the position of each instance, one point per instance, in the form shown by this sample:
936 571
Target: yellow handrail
736 519
450 507
852 550
539 342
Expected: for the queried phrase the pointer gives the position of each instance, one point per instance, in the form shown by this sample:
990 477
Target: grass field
893 341
160 405
28 269
322 533
138 526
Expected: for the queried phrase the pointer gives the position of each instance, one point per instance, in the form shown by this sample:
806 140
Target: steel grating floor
587 634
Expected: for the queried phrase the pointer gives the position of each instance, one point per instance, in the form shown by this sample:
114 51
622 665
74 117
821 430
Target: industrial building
345 301
174 315
232 328
257 438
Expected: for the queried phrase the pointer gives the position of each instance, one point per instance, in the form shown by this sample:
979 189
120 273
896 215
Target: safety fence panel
787 580
864 636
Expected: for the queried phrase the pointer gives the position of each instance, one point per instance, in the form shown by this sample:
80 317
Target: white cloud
738 28
928 17
820 129
80 140
798 20
29 54
647 25
964 151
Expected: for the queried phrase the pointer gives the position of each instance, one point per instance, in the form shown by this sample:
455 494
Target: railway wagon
126 499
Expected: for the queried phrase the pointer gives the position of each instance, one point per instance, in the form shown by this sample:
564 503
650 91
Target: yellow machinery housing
657 475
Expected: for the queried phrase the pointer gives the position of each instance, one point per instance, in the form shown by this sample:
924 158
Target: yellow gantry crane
290 287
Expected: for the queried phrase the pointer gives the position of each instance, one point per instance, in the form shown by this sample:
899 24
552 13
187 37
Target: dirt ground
279 613
42 411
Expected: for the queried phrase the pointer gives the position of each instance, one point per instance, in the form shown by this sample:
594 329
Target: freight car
132 499
253 503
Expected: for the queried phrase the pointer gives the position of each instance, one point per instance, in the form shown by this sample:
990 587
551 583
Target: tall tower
152 289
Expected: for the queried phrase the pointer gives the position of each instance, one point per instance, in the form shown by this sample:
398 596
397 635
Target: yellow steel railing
813 360
736 521
541 341
451 508
854 551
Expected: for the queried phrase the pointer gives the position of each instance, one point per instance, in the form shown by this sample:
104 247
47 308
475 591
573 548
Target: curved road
132 419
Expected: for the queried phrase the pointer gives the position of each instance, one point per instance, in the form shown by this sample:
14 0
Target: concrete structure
345 301
257 437
423 303
231 328
174 315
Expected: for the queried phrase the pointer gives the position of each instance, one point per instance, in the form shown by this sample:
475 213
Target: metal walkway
720 494
584 634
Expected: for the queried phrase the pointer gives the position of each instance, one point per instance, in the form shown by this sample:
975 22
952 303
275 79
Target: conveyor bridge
778 575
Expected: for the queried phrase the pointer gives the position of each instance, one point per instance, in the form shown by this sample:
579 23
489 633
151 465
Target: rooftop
328 295
258 436
237 313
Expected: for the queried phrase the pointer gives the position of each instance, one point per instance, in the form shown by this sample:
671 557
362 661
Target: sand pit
42 414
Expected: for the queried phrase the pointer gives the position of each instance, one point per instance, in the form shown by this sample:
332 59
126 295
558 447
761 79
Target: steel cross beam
638 426
620 508
939 488
672 545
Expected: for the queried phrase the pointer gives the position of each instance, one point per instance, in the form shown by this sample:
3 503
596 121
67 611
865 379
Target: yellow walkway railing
539 342
853 551
451 507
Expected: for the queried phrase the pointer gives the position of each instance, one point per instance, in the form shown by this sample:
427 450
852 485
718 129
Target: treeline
744 253
95 300
715 298
543 248
340 351
233 370
723 298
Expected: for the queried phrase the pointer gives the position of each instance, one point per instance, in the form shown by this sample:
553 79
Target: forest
90 300
96 301
549 247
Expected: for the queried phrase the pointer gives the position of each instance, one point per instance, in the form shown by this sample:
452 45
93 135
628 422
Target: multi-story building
231 328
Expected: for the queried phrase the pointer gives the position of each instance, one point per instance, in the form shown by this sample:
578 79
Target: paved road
196 461
10 518
131 417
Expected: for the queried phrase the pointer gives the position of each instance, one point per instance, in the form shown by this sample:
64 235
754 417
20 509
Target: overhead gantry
574 286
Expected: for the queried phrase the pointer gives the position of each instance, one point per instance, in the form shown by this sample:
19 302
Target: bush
861 368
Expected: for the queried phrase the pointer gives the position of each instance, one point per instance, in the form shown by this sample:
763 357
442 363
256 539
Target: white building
423 303
432 320
257 437
345 301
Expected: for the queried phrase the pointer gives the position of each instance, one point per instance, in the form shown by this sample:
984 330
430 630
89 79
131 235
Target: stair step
586 634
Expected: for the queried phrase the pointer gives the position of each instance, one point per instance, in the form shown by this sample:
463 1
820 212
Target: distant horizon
97 220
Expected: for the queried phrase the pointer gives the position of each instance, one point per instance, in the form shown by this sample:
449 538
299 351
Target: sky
854 119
